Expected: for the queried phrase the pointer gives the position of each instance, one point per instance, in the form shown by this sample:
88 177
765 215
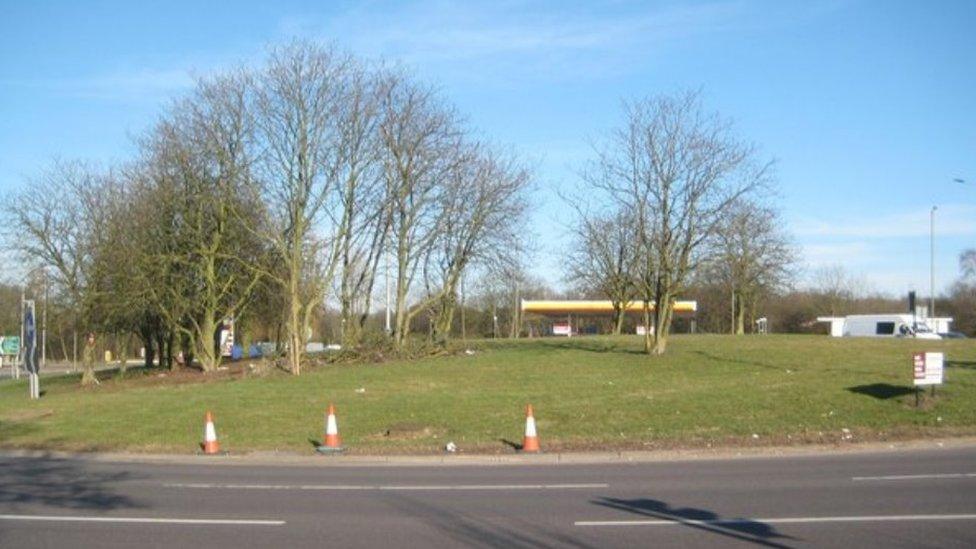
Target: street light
932 262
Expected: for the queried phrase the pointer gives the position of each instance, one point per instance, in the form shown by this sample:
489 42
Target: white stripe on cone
330 426
530 427
209 433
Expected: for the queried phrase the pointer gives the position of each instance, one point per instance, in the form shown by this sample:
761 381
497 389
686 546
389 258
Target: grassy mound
591 393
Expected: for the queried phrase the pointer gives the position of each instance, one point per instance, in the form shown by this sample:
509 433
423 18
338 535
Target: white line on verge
917 477
783 520
144 520
364 487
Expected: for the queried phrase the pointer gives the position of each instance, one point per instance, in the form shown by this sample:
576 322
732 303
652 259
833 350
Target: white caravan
890 325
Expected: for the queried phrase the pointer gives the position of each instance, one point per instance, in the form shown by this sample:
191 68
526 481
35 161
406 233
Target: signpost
927 371
29 349
562 329
227 337
10 347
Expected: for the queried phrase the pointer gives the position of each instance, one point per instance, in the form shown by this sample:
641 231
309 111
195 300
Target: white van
892 325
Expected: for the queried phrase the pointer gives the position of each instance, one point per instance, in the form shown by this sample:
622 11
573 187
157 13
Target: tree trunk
662 322
170 363
88 358
123 353
187 347
145 336
402 327
161 348
294 329
444 319
207 346
442 327
740 317
647 326
619 312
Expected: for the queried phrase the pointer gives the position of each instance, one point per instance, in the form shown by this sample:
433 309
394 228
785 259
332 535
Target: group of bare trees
680 198
267 194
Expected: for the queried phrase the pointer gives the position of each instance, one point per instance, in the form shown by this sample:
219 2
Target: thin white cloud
515 40
817 255
141 83
950 220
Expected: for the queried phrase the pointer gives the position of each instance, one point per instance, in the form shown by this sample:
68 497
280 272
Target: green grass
589 394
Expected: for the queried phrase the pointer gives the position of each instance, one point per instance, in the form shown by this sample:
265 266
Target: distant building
565 313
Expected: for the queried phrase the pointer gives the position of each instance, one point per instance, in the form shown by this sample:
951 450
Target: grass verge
591 393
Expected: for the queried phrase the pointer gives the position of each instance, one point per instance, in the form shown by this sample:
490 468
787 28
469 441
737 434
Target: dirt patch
157 377
409 431
28 415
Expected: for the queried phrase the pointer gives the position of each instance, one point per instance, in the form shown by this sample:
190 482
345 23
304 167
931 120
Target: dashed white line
677 521
917 477
392 487
143 520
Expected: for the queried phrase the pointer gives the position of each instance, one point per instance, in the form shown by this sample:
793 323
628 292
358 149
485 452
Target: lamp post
932 262
389 331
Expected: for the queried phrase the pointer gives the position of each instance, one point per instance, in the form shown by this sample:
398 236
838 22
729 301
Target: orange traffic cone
531 441
331 442
209 445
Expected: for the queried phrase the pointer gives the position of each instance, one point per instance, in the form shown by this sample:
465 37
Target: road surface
885 499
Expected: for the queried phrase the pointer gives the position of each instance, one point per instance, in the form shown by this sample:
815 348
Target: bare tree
54 218
58 219
365 220
421 139
837 289
604 259
967 263
204 149
752 255
482 219
300 96
676 170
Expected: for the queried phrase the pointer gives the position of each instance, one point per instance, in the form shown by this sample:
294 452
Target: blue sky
869 108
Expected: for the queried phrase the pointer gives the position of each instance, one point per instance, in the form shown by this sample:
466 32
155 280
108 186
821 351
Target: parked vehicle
889 325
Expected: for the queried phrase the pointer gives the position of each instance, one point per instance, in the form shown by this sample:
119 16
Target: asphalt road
904 498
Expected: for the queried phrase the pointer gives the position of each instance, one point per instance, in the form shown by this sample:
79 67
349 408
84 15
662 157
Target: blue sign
30 339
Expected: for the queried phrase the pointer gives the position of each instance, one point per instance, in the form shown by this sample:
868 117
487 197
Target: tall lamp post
932 262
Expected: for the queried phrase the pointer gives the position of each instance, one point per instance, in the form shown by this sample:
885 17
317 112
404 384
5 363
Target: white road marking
677 521
144 520
393 487
917 477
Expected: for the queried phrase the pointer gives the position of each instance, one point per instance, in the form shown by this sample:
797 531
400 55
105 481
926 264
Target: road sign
10 345
30 338
928 368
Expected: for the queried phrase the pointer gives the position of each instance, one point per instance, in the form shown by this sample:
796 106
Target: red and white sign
928 368
227 337
563 329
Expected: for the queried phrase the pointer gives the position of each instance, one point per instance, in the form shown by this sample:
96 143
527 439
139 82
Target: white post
932 262
732 313
463 330
20 352
43 363
388 329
